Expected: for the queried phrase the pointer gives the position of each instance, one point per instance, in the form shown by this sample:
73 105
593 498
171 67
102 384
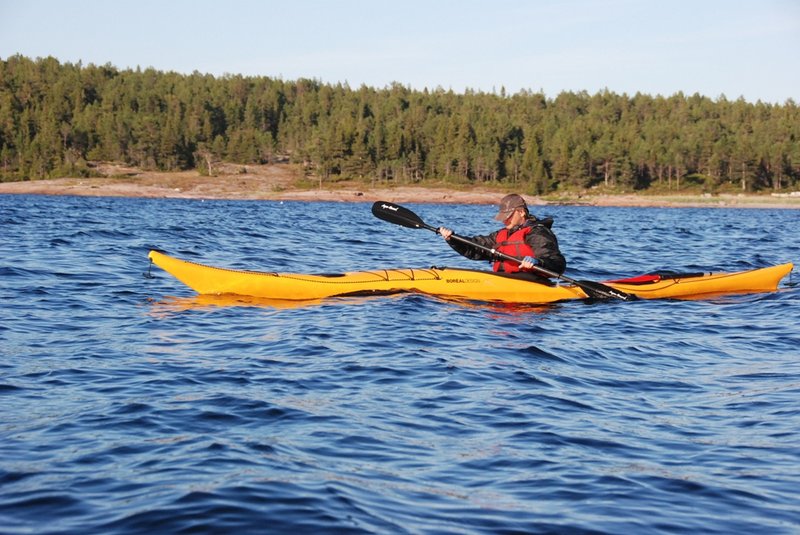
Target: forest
57 119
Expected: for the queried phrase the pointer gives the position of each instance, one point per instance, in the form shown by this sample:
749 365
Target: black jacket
541 239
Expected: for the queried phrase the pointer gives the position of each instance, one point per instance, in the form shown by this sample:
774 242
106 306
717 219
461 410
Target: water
129 405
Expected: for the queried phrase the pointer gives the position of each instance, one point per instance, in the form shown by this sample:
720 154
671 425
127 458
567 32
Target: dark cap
508 204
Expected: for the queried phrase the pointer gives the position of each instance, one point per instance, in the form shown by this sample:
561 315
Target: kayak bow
453 283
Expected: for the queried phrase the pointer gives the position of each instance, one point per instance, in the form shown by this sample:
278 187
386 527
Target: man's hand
445 232
528 262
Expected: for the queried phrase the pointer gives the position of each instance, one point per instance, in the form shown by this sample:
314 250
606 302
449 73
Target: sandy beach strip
279 185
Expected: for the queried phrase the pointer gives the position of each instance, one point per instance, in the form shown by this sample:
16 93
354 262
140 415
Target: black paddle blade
595 290
398 215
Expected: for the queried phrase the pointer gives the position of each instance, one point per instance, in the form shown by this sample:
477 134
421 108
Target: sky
730 48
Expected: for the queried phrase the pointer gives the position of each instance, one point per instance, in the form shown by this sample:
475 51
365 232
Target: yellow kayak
454 283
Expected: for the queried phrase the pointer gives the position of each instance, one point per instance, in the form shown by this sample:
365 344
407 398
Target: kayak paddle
394 213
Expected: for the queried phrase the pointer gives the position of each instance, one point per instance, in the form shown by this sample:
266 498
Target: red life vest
513 245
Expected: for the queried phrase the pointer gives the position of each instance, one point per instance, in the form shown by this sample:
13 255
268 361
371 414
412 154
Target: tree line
57 118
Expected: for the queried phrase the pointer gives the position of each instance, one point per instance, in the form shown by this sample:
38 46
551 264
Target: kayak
454 283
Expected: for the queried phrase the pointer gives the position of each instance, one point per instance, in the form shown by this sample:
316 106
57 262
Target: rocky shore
280 182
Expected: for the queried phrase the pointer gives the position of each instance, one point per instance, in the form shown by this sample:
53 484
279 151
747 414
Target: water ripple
131 405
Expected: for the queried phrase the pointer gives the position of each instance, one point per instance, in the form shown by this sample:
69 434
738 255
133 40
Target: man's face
517 217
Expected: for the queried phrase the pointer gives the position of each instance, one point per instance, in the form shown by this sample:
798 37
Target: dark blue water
130 406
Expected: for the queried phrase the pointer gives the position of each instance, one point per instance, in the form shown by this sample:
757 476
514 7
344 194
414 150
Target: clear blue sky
712 47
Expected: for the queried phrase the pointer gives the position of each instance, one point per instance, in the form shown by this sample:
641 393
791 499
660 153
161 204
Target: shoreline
278 183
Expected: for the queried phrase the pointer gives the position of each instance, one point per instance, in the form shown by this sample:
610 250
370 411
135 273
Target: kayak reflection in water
523 236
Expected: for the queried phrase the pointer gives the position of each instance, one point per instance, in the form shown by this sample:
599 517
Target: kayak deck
450 283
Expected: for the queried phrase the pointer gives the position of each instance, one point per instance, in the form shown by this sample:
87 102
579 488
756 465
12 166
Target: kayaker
523 236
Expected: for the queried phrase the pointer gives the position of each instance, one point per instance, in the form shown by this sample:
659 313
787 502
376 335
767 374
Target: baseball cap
508 204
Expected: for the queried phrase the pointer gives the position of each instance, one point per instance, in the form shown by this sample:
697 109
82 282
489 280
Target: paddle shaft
399 215
495 253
